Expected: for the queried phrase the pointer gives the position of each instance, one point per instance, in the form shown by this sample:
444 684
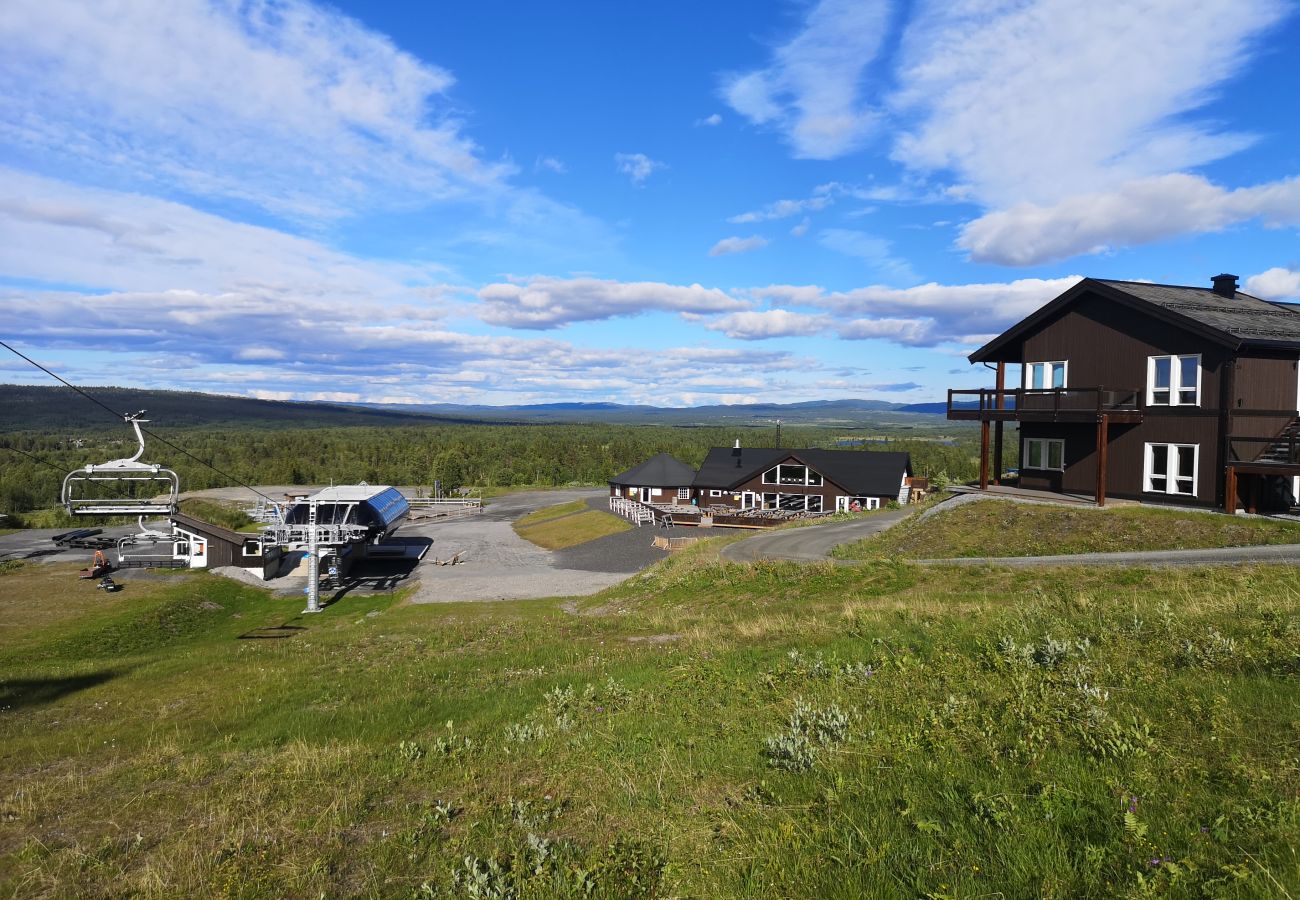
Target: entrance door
645 495
748 500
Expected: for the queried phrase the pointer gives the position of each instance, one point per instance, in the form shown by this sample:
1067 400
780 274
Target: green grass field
1001 528
568 525
704 730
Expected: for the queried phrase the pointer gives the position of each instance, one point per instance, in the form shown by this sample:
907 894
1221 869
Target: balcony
1053 405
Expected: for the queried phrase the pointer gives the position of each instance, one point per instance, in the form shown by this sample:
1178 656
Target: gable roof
213 531
660 470
857 472
1234 321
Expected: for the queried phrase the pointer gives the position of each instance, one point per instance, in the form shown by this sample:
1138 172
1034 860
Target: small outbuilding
202 545
662 478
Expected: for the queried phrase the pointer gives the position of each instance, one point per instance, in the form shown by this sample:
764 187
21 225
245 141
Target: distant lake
859 442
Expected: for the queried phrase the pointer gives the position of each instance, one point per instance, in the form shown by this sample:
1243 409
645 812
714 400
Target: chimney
1225 285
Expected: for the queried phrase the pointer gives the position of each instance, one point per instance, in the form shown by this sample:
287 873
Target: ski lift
121 476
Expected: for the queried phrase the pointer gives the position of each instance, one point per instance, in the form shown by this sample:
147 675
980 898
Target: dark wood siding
1127 457
1265 382
1107 344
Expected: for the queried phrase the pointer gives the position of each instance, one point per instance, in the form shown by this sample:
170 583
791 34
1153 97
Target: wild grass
790 731
546 513
571 530
995 528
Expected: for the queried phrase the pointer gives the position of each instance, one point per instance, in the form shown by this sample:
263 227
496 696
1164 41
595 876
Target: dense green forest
32 463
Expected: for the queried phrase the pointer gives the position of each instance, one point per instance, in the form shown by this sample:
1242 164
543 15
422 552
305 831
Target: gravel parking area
500 565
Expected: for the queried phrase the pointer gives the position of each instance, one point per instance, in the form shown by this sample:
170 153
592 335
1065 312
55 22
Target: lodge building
752 478
1151 392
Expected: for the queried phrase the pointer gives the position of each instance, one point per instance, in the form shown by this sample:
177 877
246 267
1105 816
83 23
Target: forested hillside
477 455
47 408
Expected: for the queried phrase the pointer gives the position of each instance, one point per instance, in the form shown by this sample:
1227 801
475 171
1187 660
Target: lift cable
118 415
35 459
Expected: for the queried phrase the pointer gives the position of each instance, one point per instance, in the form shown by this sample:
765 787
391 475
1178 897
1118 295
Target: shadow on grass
271 633
24 693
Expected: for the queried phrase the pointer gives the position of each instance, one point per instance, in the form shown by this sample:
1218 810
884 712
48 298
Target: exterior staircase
1285 448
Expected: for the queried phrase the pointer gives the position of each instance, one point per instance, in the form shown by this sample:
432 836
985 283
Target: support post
1103 452
313 565
999 403
984 455
1230 491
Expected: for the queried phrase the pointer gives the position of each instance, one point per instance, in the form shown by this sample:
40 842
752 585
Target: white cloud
1139 212
811 91
1027 102
924 315
730 245
288 106
1275 284
802 228
709 121
637 166
783 209
877 252
542 302
550 164
757 325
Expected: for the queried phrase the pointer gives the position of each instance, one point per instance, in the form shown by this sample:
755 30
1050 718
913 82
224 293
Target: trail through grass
993 528
704 730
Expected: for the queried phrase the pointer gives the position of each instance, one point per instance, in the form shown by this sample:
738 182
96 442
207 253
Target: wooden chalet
662 478
1151 392
801 480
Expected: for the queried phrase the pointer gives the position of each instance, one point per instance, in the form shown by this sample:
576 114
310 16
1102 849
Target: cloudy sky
672 203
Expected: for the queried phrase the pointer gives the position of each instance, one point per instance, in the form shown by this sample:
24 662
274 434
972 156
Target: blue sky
679 203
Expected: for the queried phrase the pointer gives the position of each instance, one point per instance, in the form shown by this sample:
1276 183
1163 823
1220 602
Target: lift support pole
313 565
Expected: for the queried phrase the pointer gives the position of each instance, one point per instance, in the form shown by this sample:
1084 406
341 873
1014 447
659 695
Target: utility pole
778 434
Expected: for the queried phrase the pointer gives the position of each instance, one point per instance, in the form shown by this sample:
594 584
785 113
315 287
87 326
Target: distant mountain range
811 412
27 407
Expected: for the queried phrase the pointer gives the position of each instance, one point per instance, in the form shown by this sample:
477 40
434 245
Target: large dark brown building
801 480
1151 392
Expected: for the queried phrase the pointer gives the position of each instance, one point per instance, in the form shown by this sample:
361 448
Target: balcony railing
1051 405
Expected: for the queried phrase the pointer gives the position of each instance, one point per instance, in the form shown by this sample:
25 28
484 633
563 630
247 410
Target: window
1044 453
1044 375
788 473
770 501
1171 469
683 493
814 503
715 493
1174 380
252 547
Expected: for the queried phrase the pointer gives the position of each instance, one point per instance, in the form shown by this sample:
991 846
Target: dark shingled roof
1232 321
662 470
1244 317
866 473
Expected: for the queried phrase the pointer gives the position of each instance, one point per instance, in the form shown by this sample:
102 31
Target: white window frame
1175 380
1047 380
683 493
842 504
808 502
714 492
810 478
1045 454
1171 481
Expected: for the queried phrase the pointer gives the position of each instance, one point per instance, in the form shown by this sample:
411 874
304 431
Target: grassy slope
547 513
1062 734
567 525
1000 528
216 512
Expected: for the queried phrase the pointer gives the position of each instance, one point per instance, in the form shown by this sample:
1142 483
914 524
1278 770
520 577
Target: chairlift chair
122 473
